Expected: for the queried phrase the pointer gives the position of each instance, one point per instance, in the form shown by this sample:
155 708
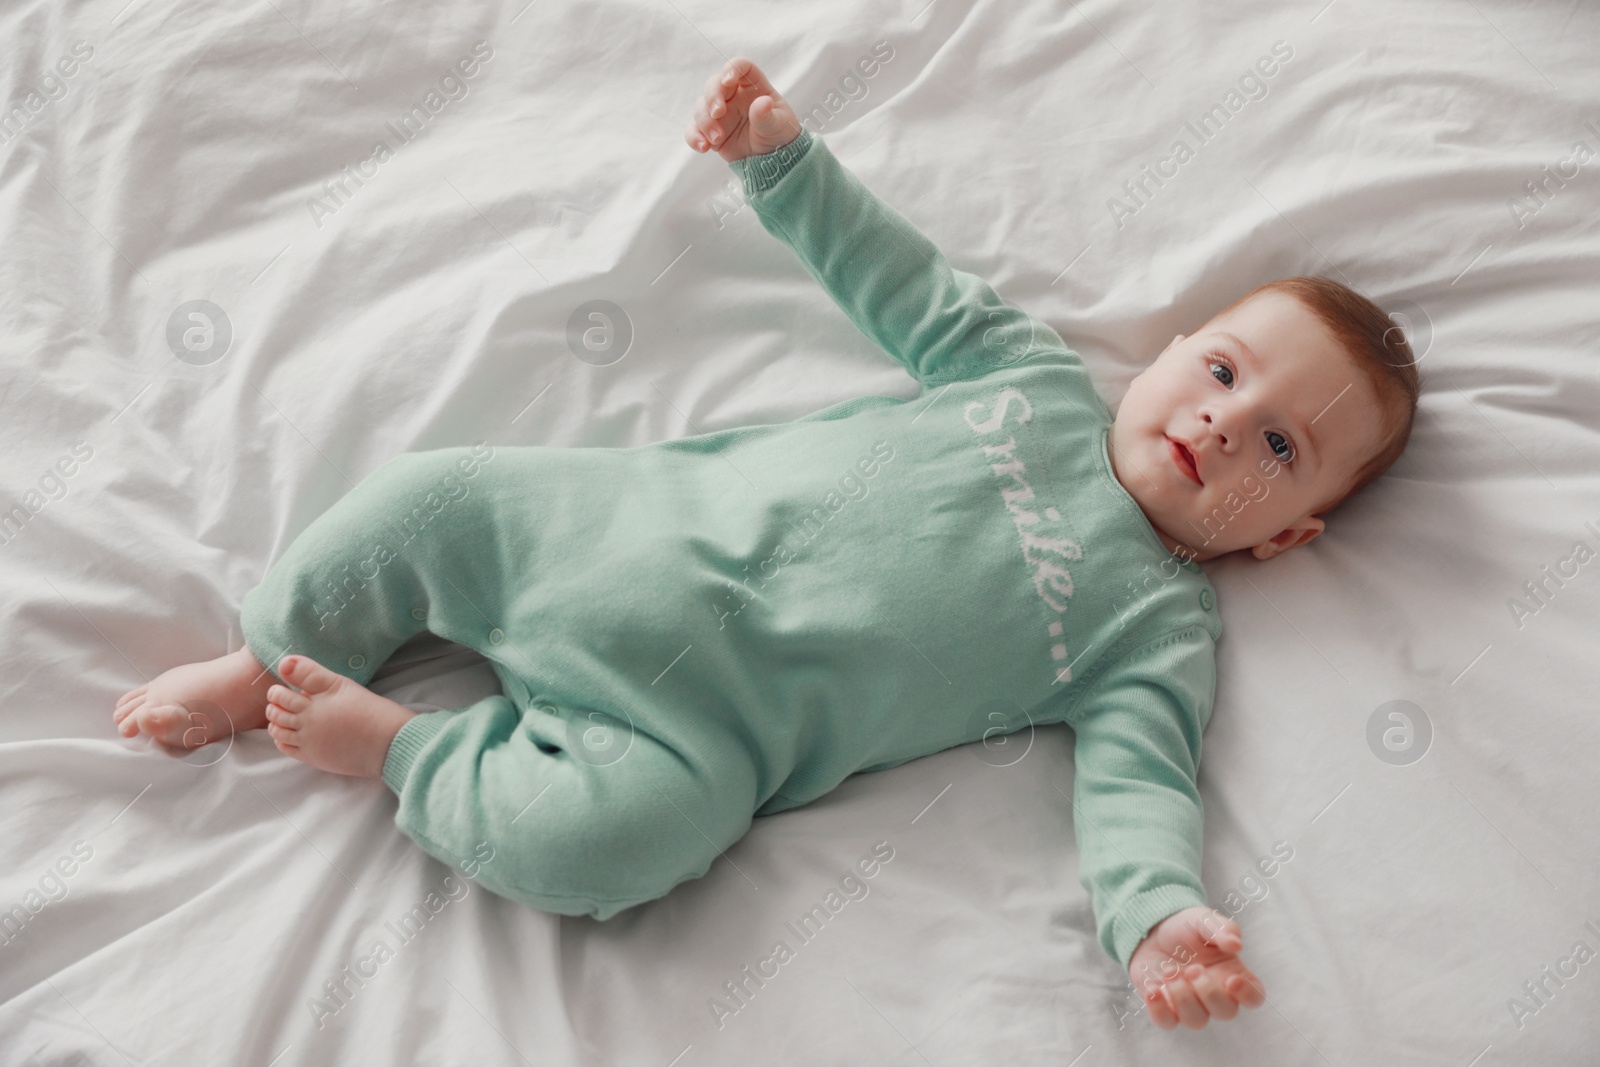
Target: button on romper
695 632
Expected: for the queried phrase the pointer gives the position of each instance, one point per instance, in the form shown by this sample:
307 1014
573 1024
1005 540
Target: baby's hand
1187 969
741 114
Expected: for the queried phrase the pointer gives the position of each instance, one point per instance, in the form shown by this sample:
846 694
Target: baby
696 632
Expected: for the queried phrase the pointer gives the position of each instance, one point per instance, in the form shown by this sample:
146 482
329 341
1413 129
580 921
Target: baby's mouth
1184 460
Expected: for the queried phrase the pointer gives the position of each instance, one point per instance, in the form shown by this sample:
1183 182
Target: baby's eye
1226 377
1280 445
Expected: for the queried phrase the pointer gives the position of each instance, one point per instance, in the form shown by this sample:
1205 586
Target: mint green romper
696 632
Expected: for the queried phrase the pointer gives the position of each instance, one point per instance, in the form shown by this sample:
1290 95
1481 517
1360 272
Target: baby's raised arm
940 323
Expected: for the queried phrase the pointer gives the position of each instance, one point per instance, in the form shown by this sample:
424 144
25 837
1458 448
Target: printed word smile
1051 580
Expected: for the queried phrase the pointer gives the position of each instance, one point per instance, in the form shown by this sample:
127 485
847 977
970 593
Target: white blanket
224 304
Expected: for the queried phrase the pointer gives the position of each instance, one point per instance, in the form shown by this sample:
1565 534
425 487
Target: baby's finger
1191 1012
1223 933
1161 1012
748 74
710 128
691 135
1217 1000
718 87
1247 989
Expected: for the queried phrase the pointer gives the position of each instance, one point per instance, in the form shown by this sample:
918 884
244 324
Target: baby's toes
307 675
284 738
282 717
288 699
127 721
166 723
130 698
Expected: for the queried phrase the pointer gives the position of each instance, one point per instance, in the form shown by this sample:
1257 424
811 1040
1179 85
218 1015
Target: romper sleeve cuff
408 745
762 172
1143 911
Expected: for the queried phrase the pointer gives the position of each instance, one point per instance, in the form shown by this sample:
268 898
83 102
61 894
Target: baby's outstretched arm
1187 970
1140 820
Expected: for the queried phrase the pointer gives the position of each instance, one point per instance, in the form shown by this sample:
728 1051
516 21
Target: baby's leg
356 583
566 809
190 705
413 547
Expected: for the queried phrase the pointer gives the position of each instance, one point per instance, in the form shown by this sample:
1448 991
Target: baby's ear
1293 536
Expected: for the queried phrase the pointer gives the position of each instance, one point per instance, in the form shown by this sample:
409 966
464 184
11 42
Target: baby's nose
1222 436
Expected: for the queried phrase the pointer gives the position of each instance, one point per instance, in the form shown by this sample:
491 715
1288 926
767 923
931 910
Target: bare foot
333 723
196 703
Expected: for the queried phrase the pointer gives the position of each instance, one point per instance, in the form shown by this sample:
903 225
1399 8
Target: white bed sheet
428 306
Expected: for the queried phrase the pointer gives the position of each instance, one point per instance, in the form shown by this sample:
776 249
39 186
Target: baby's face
1275 417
